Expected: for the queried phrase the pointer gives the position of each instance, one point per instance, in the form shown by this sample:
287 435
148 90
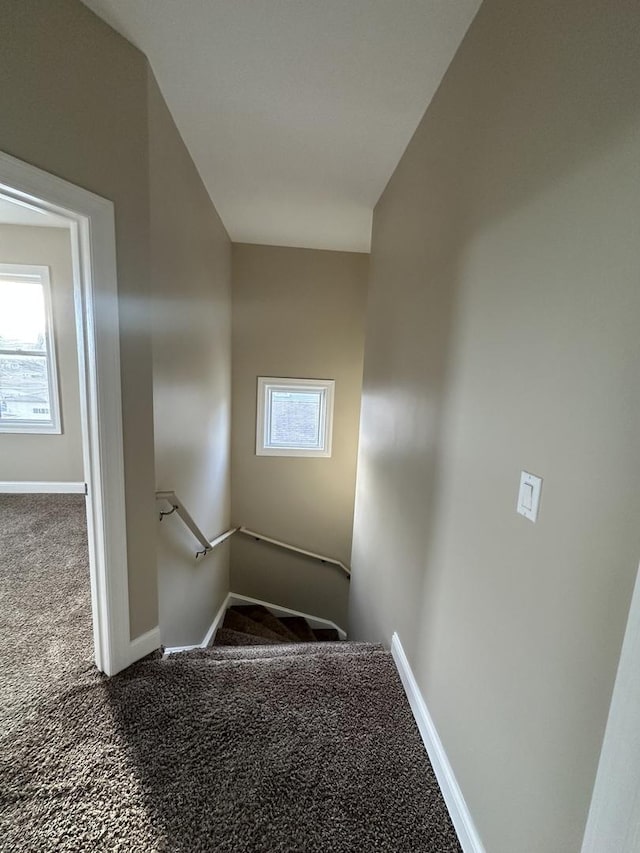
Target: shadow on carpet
227 751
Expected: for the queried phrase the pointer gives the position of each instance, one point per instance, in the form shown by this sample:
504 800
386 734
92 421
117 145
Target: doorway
90 222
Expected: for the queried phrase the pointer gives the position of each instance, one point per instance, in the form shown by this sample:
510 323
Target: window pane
22 316
295 419
24 388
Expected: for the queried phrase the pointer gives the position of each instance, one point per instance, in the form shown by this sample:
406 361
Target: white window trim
40 274
265 383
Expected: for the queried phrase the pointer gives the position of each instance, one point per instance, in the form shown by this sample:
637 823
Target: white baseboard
277 610
458 810
208 637
32 487
144 644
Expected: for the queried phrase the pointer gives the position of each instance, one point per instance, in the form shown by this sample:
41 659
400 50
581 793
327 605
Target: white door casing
93 247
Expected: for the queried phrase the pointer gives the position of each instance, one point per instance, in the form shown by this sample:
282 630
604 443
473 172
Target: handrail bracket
170 512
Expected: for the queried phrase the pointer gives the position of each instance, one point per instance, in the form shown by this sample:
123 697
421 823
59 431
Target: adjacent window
295 417
28 377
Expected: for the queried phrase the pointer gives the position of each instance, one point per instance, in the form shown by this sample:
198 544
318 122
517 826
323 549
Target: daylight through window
28 381
294 417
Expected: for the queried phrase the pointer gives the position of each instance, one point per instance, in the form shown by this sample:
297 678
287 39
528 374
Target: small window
28 377
295 417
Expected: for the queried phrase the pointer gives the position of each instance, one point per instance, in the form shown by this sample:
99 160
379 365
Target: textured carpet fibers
260 614
45 609
263 749
231 750
235 621
229 637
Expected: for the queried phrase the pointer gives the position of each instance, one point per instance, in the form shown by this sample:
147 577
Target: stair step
237 652
326 635
300 628
229 637
235 621
259 613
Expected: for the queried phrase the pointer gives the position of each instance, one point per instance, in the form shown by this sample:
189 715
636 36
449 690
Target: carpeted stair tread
222 653
229 637
326 635
241 658
235 621
260 614
300 628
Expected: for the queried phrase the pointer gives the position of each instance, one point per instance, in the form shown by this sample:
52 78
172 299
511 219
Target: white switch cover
529 495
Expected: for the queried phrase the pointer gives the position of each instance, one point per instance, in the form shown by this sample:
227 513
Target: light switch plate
529 495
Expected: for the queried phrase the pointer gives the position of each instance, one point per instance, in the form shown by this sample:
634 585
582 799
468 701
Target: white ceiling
296 112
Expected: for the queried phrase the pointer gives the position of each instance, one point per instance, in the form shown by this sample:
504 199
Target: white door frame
93 248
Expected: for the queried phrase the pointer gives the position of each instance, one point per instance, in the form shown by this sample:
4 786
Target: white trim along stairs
234 598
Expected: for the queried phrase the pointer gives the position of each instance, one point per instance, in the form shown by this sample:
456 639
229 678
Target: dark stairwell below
254 624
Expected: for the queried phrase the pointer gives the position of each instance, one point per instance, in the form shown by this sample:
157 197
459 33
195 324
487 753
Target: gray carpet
45 609
233 750
301 748
254 625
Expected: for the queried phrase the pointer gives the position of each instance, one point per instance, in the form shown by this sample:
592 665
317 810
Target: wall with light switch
502 337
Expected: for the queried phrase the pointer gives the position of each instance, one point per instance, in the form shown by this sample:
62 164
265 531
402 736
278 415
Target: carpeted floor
232 750
45 607
267 749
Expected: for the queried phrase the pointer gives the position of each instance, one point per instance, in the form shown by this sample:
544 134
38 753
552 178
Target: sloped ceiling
296 112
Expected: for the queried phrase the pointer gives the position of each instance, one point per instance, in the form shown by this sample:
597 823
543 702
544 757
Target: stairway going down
269 741
254 625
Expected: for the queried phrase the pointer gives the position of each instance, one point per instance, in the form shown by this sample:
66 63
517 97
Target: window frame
266 384
40 274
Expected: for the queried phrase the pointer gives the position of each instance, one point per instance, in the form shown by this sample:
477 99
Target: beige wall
48 457
502 334
296 313
73 101
191 275
76 101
